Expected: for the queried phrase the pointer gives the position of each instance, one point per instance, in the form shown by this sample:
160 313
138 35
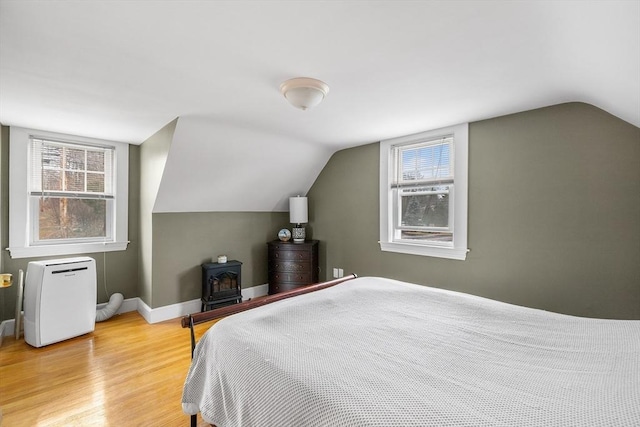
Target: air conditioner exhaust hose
110 309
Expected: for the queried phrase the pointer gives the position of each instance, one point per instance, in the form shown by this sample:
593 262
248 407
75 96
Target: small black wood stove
221 284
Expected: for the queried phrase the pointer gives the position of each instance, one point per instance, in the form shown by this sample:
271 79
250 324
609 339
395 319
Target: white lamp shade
298 210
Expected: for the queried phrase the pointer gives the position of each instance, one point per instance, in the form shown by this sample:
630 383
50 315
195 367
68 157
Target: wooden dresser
292 265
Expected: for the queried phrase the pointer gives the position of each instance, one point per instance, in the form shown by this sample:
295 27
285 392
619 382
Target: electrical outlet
335 273
340 273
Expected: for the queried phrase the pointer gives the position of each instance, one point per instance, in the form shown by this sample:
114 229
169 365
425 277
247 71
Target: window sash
399 214
35 239
71 195
424 162
43 159
69 160
432 235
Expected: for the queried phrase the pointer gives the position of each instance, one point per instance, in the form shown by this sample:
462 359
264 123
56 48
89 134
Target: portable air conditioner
59 300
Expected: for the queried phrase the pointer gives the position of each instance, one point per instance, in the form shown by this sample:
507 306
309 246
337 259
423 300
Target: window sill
69 249
424 250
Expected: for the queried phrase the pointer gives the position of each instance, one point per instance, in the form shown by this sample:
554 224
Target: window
70 198
423 193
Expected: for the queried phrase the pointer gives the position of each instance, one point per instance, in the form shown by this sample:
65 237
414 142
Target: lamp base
298 234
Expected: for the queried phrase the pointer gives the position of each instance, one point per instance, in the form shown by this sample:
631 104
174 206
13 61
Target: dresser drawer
289 246
297 278
299 255
289 266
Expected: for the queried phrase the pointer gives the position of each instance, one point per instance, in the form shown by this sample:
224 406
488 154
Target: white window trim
19 216
458 250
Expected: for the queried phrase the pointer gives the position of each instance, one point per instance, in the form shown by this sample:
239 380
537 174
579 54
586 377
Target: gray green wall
554 214
118 270
183 241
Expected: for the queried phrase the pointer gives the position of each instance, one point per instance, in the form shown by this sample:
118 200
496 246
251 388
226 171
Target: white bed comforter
377 352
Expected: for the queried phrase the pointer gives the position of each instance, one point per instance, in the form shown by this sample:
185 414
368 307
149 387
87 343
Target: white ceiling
121 70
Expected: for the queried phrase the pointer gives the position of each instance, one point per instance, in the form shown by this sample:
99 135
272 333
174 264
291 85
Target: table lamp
298 214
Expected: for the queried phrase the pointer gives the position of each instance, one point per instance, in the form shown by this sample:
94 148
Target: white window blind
428 163
61 169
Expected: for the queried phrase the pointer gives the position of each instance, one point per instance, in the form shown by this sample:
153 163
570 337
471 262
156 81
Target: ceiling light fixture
304 92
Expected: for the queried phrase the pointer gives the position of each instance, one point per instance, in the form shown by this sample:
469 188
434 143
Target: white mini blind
63 169
425 163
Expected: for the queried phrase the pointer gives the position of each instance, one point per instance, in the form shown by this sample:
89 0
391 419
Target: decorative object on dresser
298 214
284 235
292 265
221 284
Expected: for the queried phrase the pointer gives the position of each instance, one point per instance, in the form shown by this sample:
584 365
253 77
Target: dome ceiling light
304 92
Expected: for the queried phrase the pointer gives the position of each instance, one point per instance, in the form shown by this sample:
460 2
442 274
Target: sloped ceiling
236 169
122 70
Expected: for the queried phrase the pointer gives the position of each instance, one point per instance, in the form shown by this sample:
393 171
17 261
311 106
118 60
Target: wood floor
126 373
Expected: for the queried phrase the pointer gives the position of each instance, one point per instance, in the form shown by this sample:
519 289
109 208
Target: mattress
378 352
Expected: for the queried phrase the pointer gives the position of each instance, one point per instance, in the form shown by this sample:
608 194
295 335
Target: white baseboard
152 315
255 291
7 328
167 312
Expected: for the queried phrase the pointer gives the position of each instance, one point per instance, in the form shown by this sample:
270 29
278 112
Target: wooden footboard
196 318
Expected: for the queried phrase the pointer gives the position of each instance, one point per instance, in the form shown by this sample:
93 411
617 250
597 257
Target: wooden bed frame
194 319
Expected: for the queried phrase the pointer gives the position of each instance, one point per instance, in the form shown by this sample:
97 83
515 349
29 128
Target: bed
379 352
